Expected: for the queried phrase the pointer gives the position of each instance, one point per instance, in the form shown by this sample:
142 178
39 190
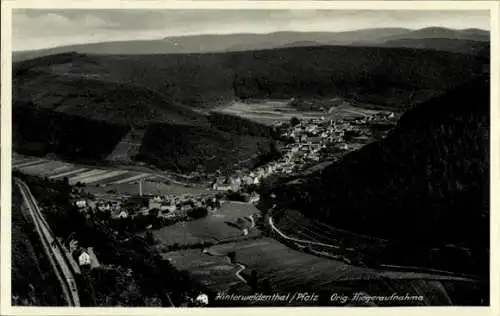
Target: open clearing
214 272
267 112
211 228
230 211
270 111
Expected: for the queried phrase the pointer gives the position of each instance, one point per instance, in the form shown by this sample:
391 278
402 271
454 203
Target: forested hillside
38 131
188 148
394 77
426 183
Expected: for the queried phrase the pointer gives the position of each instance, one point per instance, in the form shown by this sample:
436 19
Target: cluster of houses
167 206
310 138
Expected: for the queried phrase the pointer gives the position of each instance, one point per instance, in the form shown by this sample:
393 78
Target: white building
81 203
235 184
84 259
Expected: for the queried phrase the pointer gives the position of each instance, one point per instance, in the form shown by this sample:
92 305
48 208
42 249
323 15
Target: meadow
212 228
269 112
214 272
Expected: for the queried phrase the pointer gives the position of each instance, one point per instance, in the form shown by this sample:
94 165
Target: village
311 142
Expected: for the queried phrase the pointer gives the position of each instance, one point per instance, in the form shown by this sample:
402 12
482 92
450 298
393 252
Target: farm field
346 110
230 211
54 169
288 270
271 111
276 260
149 187
267 112
214 272
211 228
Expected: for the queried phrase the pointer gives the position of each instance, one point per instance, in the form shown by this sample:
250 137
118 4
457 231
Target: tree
294 121
266 286
150 238
232 256
154 212
198 212
253 282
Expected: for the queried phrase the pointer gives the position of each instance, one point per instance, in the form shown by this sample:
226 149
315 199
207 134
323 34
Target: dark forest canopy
394 77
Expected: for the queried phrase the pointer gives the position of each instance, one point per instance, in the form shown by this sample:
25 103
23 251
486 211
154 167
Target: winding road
52 247
422 272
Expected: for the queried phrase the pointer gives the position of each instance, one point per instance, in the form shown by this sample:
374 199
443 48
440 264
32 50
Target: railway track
52 248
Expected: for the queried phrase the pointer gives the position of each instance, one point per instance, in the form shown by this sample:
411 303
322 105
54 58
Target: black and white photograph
236 157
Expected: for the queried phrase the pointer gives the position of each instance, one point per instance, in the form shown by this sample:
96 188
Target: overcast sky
36 29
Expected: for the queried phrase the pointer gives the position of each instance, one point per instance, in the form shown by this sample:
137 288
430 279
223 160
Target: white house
81 203
235 184
84 259
256 180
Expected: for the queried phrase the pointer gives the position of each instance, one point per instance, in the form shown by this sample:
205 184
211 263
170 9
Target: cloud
95 22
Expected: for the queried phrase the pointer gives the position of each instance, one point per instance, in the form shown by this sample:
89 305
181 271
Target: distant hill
462 46
441 32
246 42
427 183
212 43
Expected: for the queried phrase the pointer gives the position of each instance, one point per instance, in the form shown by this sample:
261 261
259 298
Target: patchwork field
268 112
211 228
288 270
150 186
88 175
